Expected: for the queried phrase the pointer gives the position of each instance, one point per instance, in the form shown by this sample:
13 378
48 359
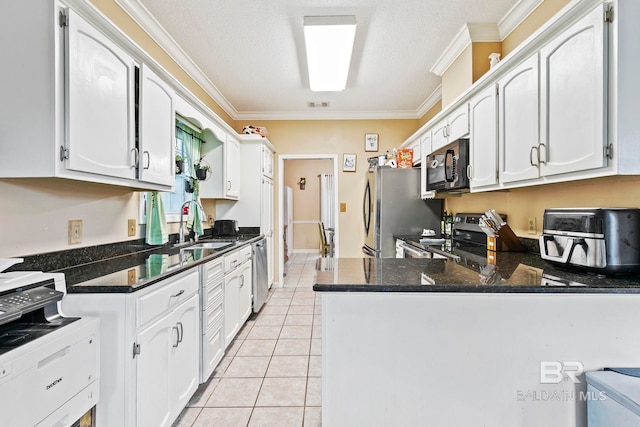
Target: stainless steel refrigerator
392 206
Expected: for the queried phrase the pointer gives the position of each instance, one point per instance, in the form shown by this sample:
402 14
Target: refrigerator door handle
366 208
368 250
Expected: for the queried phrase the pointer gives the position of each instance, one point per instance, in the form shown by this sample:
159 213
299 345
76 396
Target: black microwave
447 167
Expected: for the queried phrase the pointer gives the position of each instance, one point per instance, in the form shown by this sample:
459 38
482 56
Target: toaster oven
602 240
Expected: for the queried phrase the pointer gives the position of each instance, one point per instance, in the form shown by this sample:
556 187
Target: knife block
505 241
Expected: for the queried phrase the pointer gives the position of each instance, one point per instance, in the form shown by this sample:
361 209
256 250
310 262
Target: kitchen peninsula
444 342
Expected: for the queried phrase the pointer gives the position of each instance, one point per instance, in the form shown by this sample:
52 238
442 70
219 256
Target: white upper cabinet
157 129
483 146
100 105
73 112
232 164
573 97
267 162
519 122
451 128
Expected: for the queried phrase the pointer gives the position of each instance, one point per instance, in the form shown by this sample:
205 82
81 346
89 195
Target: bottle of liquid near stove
449 226
443 223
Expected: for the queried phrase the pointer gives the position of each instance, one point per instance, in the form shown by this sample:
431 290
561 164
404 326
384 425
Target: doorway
287 162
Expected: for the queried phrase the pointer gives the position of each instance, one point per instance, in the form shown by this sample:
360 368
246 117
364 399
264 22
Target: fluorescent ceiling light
329 42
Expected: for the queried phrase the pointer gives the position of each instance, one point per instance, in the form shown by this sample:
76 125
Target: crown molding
470 32
431 100
514 17
152 27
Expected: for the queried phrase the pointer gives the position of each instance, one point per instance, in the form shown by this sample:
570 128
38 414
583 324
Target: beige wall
480 57
306 203
431 113
338 137
457 78
534 21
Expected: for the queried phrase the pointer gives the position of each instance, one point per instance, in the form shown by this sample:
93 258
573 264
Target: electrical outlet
532 225
343 207
75 231
131 227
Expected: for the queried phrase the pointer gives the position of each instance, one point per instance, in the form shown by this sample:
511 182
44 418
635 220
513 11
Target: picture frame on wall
370 142
349 163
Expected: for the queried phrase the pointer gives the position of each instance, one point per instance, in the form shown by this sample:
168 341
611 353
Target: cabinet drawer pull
178 294
177 337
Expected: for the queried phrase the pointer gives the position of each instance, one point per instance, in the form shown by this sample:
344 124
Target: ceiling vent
323 104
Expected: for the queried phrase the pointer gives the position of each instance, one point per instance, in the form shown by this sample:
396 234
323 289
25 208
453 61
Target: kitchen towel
194 220
156 233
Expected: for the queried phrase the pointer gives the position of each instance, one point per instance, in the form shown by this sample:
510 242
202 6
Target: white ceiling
252 51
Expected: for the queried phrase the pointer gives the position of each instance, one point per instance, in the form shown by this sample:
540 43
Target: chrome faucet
181 234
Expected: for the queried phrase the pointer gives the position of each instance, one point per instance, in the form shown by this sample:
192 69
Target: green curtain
156 230
191 143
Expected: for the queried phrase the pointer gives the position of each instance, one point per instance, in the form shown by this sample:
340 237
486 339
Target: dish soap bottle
443 225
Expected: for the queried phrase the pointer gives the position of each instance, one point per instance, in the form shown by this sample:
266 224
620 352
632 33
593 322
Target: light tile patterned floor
270 375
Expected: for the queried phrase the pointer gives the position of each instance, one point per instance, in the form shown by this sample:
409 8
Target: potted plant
191 185
201 169
179 164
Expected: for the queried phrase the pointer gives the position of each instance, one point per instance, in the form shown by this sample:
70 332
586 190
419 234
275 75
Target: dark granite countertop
474 271
135 271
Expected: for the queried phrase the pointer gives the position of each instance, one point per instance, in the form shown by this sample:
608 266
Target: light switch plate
132 277
343 207
131 227
75 231
532 225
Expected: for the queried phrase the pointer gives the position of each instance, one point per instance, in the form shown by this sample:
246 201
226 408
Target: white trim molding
431 100
470 32
514 17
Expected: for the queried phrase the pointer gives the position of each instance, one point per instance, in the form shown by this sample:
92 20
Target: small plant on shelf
179 164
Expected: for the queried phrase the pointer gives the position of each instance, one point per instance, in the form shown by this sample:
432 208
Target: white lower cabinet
237 292
167 375
149 357
212 304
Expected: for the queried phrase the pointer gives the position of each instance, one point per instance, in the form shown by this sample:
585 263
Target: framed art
370 142
349 163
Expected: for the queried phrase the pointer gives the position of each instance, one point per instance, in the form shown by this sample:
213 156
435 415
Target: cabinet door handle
180 332
136 157
178 294
531 155
242 281
177 336
542 160
469 172
228 185
148 159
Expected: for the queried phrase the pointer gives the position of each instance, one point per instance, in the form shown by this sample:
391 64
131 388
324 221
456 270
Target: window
187 148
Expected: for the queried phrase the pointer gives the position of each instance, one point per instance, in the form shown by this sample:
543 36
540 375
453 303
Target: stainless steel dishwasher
260 279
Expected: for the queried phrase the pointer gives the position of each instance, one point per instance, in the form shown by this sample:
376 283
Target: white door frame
281 159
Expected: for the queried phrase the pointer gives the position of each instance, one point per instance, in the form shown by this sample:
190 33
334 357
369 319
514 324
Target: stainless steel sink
209 245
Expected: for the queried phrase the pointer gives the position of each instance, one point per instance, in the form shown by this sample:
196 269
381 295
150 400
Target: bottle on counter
443 223
449 226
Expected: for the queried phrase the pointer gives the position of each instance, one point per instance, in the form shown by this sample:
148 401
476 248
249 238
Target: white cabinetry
157 129
237 292
483 155
221 150
425 141
267 162
212 305
255 207
149 354
73 114
565 132
449 129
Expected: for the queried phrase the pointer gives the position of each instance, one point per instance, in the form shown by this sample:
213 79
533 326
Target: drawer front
212 352
245 253
231 261
213 296
215 268
214 319
166 295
